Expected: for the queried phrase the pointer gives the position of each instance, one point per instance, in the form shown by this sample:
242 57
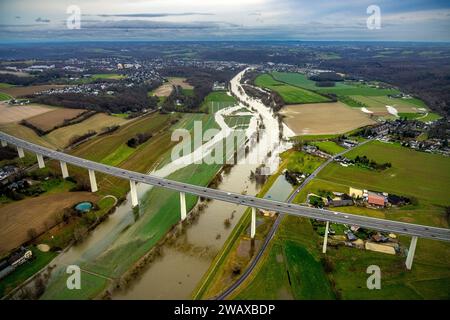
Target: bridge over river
413 230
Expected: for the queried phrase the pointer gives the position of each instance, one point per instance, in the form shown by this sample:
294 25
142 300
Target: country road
276 224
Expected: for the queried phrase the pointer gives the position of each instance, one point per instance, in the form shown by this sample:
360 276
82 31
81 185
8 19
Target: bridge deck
271 205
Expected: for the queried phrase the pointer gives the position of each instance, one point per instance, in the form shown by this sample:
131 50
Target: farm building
376 199
356 193
340 203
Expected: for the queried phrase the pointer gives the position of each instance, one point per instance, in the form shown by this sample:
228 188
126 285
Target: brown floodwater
181 266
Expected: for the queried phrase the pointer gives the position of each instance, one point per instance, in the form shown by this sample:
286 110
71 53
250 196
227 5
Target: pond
84 207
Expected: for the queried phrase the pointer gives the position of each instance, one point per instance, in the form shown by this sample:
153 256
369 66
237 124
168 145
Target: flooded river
182 264
180 268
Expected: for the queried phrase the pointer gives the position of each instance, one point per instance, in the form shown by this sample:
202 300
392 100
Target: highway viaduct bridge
413 230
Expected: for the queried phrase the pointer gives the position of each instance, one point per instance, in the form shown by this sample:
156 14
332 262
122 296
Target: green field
425 176
188 92
301 80
112 150
429 278
291 268
4 96
217 100
4 85
289 272
301 162
430 117
380 102
329 147
121 115
340 88
238 122
108 76
289 93
25 271
417 116
409 116
422 175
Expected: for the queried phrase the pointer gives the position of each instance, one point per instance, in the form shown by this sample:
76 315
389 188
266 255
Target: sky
164 20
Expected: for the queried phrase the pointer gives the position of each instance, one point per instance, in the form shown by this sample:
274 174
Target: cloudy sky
407 20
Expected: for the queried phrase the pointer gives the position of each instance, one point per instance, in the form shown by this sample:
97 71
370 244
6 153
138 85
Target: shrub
327 264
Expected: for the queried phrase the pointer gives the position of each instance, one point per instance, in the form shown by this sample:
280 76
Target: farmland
11 114
340 88
25 133
329 147
323 118
61 136
377 104
422 175
34 213
55 118
300 161
163 91
4 96
166 89
358 95
238 122
5 85
346 278
289 93
291 269
111 143
413 174
216 101
180 82
108 76
17 91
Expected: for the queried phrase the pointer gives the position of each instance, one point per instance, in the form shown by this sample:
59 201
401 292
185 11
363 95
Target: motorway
420 231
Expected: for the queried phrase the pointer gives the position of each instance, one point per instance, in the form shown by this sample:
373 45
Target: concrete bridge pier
40 160
253 224
4 143
20 152
64 171
183 206
411 251
134 195
325 238
93 181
